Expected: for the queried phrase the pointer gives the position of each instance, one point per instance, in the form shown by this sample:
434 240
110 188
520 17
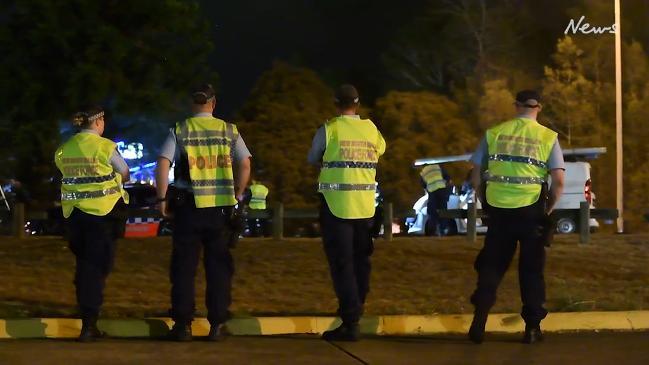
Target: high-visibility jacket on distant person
518 153
258 196
89 181
348 174
432 175
208 142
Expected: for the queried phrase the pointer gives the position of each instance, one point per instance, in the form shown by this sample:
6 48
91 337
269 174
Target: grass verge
410 276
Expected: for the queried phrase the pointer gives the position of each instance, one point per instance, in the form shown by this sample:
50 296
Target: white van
577 189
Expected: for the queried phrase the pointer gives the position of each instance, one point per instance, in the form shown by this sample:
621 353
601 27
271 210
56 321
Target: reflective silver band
515 179
88 194
87 179
214 182
349 165
94 117
346 187
519 159
205 142
224 190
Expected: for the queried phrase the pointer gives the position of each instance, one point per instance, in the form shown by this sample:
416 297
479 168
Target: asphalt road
572 348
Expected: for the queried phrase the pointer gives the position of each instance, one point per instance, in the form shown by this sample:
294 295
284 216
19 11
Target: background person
436 183
257 201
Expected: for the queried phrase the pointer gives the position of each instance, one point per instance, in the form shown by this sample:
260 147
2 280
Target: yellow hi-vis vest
258 199
518 153
89 182
432 175
347 177
208 142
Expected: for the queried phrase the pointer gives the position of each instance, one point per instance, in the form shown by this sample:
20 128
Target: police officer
514 160
258 194
204 150
434 179
347 148
91 195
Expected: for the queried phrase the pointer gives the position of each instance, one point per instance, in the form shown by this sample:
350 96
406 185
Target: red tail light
587 192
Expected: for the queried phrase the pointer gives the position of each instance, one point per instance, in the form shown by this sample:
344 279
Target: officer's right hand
164 209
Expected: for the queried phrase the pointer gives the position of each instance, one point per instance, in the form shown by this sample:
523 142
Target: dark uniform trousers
348 245
92 241
437 199
193 228
507 227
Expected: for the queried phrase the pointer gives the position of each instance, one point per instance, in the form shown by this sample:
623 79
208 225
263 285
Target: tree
285 108
570 98
636 133
580 103
416 125
453 40
495 104
59 55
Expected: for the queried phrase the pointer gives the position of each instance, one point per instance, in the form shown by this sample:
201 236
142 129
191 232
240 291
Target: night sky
342 41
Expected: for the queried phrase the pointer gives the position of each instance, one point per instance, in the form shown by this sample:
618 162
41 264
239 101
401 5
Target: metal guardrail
278 214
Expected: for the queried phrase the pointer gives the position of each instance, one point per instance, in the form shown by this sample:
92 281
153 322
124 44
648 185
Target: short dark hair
84 118
202 93
347 96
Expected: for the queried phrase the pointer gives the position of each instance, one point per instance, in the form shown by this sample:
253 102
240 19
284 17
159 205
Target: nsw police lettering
518 146
80 166
357 151
209 162
79 160
80 170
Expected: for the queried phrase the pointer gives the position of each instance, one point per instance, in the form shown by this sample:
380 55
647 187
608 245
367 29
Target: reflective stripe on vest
89 182
432 175
348 174
346 187
258 198
208 143
88 179
518 153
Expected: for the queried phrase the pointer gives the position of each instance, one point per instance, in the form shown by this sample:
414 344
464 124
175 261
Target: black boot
533 334
345 332
476 332
217 333
180 332
89 330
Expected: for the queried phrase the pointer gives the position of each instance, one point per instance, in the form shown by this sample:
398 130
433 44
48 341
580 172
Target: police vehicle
577 189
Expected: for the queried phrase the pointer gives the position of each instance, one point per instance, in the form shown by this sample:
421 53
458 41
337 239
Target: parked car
143 219
457 200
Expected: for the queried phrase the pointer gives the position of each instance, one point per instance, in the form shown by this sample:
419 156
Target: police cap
347 95
202 93
528 99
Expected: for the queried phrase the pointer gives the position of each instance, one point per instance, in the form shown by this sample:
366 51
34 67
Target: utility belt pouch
177 198
235 223
118 217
